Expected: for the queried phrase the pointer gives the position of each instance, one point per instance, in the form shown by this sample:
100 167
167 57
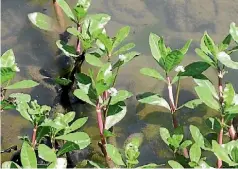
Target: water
176 21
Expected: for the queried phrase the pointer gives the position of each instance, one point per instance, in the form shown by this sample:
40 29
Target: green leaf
172 60
152 73
206 96
114 154
41 132
23 84
213 123
225 43
154 47
41 21
107 42
68 117
9 165
151 165
124 48
20 97
185 144
121 96
62 81
28 156
66 9
129 56
185 47
232 110
121 35
68 147
192 104
221 153
23 109
207 84
93 60
195 153
76 125
80 138
234 31
164 133
205 57
115 114
153 99
6 105
7 59
225 59
210 44
68 50
6 74
108 133
195 68
234 154
46 153
79 93
73 31
175 140
228 94
175 164
197 136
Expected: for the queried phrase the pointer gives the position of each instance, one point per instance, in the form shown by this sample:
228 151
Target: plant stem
103 139
220 135
171 100
78 49
59 15
177 92
33 140
232 131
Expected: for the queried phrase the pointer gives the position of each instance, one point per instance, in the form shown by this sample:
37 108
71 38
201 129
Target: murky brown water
175 20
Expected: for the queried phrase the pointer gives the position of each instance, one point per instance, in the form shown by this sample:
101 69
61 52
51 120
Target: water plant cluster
54 134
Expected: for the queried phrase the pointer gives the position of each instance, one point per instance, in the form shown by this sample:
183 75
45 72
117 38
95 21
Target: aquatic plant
8 70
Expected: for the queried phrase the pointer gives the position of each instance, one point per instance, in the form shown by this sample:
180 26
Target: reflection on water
175 20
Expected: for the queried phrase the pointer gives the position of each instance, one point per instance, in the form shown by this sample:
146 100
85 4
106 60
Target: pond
175 20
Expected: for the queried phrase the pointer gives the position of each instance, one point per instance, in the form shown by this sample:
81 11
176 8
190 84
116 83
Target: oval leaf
121 35
197 136
9 165
195 153
28 156
46 153
76 125
225 59
195 68
175 164
66 9
93 60
154 47
206 96
152 73
80 138
42 21
121 96
173 59
153 99
114 154
115 114
23 84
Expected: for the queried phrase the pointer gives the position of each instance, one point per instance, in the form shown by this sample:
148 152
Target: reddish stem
33 140
232 132
173 110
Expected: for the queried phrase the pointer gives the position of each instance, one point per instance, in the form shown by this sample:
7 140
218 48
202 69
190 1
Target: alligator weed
55 135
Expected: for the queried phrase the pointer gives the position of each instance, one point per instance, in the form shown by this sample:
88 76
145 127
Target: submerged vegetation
55 135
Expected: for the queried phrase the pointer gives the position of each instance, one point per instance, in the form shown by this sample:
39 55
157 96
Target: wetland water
176 20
